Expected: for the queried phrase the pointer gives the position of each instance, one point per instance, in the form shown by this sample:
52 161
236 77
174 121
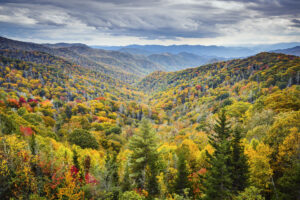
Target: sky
164 22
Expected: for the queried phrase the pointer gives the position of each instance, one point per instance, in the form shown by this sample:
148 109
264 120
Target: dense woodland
228 130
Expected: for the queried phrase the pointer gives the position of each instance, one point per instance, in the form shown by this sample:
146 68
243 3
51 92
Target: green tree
83 138
182 181
126 180
111 177
131 195
239 164
144 158
75 160
250 193
288 184
218 182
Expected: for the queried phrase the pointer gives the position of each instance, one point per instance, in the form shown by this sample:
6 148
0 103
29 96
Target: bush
115 130
131 195
83 138
97 126
250 193
33 118
21 111
7 124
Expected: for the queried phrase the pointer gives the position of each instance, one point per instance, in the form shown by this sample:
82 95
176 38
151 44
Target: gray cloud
276 7
296 23
152 19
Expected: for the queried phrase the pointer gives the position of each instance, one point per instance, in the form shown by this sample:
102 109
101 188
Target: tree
240 166
83 138
111 177
131 195
259 165
143 160
250 193
182 181
126 180
289 166
218 180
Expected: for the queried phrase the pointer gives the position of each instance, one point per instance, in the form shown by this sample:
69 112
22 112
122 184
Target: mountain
180 61
290 51
135 51
218 51
54 77
120 65
121 61
268 69
61 45
269 47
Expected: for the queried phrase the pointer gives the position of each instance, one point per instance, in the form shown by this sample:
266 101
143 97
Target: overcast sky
123 22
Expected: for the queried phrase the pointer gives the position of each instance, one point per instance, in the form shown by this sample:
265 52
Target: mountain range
217 51
290 51
129 63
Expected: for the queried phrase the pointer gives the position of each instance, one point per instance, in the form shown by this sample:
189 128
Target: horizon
155 22
293 44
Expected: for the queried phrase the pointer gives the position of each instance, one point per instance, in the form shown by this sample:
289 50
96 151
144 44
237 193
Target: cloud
152 20
296 23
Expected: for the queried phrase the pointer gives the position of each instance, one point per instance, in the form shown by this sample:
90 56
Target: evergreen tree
126 180
288 184
182 181
240 168
33 145
218 180
76 169
144 159
111 177
75 160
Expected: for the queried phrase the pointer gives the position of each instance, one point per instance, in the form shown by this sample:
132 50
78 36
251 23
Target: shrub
83 138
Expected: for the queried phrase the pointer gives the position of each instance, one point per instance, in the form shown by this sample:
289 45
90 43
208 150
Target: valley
78 122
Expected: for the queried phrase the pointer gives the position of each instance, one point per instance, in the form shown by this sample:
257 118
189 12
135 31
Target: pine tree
75 160
218 180
126 180
182 181
240 168
111 177
144 159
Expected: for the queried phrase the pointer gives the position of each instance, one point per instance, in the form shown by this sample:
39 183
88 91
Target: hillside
53 77
231 71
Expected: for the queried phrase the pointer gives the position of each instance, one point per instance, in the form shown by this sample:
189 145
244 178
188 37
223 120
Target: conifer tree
126 180
111 177
75 160
182 181
240 168
144 159
218 180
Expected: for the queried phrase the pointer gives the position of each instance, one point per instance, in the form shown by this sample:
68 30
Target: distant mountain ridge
127 66
219 51
212 50
123 66
182 60
290 51
130 63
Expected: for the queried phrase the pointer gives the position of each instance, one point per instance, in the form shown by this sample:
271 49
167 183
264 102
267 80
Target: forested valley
226 130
